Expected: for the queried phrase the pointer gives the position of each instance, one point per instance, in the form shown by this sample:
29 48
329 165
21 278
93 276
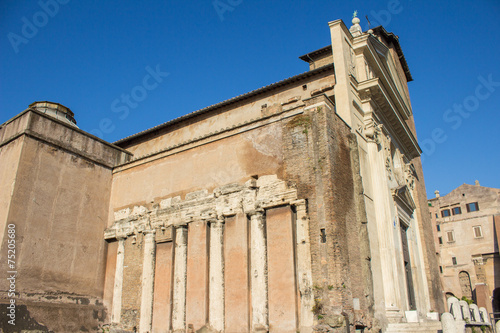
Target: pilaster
216 276
305 284
258 271
118 285
180 271
148 276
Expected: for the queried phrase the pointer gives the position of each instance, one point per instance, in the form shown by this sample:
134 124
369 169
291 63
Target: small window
440 240
440 269
445 213
323 235
456 210
472 207
478 232
438 227
454 260
451 236
437 215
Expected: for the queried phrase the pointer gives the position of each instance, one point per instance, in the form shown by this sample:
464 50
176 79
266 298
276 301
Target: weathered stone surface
448 323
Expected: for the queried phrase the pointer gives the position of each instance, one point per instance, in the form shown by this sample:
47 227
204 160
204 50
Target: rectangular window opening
454 260
456 210
472 207
478 232
445 213
440 239
451 236
323 235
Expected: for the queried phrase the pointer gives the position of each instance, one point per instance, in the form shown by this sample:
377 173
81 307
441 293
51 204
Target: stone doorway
407 267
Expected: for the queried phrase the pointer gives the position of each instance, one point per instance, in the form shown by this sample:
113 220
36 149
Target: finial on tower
355 28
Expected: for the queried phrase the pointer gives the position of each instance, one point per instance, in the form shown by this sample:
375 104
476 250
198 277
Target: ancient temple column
258 271
180 270
118 286
216 276
148 276
304 270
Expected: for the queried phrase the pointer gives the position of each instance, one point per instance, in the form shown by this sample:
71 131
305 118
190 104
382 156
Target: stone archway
465 284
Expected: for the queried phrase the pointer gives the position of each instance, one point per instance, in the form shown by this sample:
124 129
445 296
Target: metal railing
494 317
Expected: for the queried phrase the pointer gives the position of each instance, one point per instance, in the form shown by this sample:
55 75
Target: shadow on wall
496 300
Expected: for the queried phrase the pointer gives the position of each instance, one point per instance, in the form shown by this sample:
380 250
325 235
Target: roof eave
395 40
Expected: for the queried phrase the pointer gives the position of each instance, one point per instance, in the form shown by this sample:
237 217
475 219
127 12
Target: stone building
298 206
466 231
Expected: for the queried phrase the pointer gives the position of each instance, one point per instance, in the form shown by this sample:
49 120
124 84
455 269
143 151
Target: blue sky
88 54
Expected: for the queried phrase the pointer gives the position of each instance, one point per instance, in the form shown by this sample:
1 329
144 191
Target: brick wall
317 159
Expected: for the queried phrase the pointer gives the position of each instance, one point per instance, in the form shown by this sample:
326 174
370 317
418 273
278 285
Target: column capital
256 211
216 222
180 225
149 232
299 204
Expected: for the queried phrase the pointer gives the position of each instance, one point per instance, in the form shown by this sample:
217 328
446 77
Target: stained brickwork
317 159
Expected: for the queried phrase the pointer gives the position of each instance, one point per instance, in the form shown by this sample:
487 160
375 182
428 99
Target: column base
394 315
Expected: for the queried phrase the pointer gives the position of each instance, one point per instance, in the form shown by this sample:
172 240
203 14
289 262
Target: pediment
403 197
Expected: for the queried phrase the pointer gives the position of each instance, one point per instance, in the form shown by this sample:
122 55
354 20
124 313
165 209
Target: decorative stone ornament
355 28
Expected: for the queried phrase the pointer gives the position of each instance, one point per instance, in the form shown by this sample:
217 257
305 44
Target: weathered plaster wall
62 198
163 287
229 160
228 116
283 316
59 206
9 161
237 288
